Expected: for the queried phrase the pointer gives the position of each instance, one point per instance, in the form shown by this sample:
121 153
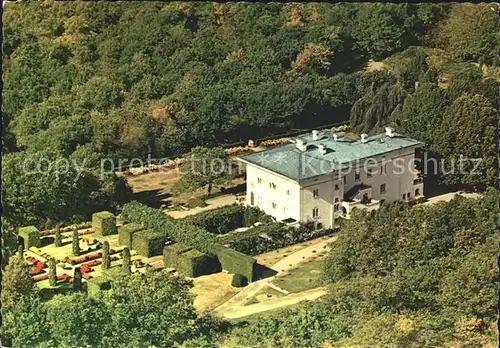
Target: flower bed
87 224
38 268
238 150
275 142
42 277
82 259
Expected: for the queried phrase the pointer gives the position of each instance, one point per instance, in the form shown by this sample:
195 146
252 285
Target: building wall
395 170
325 202
292 200
286 195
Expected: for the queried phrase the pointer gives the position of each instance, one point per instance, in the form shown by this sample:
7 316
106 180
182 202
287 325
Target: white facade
385 178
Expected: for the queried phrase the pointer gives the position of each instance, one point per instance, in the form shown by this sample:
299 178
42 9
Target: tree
469 32
16 282
52 273
205 167
21 324
77 320
126 261
77 279
137 299
58 237
468 129
76 242
106 261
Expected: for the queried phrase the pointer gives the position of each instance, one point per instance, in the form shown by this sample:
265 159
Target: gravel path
235 307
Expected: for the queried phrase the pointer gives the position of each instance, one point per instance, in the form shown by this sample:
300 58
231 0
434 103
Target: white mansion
326 174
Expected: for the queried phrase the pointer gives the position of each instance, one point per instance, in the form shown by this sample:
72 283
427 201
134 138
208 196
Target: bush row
264 238
188 234
190 262
125 233
149 243
228 218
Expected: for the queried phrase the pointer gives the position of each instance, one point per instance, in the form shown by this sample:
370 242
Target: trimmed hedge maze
188 234
228 218
190 262
149 243
125 233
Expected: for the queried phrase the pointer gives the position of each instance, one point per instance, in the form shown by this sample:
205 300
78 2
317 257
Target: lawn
307 275
263 295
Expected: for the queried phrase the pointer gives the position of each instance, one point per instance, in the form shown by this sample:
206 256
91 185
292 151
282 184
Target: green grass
267 291
304 277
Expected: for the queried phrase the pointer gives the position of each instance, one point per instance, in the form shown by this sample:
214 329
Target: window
336 187
336 208
356 176
336 199
369 173
408 195
259 180
315 212
382 188
417 192
345 179
288 192
315 193
404 195
274 205
272 185
382 169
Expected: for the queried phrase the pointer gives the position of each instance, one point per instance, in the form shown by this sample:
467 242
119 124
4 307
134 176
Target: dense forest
85 81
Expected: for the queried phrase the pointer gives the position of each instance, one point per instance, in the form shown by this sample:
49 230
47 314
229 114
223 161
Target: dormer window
315 193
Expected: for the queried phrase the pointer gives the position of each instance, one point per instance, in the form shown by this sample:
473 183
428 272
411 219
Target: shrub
178 231
239 280
76 243
234 261
58 238
190 262
95 285
264 238
126 231
77 279
30 235
196 202
149 243
104 223
227 218
126 261
106 261
52 273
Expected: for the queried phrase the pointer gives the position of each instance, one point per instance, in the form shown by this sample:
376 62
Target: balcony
349 206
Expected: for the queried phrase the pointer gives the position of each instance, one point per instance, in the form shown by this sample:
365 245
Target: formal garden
90 255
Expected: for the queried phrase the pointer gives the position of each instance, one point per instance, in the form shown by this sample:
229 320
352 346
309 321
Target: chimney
389 132
301 144
315 134
322 148
364 137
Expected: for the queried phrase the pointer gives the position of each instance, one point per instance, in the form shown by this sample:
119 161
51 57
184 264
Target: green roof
297 165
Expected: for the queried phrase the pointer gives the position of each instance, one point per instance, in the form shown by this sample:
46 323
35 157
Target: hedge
149 243
171 254
185 233
96 285
235 262
179 231
264 238
104 223
190 262
227 218
239 281
125 233
30 235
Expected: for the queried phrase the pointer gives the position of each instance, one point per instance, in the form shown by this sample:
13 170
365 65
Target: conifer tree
52 273
76 243
126 261
77 279
58 237
106 260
